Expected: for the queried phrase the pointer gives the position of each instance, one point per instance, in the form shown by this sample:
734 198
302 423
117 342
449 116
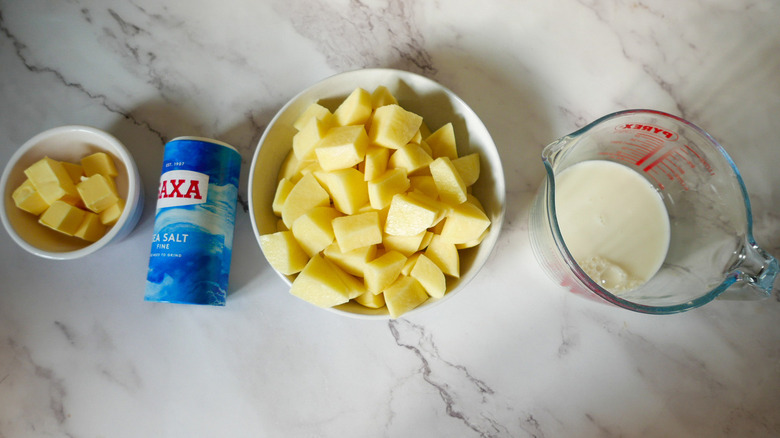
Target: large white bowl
438 106
68 143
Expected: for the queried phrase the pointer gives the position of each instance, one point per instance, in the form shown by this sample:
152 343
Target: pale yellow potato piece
283 189
426 240
392 126
357 230
381 190
342 147
283 252
404 295
381 97
314 229
62 217
291 167
307 194
28 199
383 271
468 168
473 243
424 184
450 185
442 142
370 300
375 163
409 265
406 245
430 276
410 215
445 255
91 229
410 157
347 188
305 140
313 111
465 223
320 284
352 262
355 109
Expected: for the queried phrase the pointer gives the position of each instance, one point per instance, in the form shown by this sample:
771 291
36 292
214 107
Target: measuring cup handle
755 275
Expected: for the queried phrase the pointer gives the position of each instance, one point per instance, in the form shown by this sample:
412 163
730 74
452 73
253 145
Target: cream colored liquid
613 222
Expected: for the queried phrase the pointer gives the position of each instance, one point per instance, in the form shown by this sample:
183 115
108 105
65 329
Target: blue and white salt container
192 244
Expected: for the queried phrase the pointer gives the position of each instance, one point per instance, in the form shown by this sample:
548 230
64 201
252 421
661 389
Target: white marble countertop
82 355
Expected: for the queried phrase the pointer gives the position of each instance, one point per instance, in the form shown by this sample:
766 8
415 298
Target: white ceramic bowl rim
133 194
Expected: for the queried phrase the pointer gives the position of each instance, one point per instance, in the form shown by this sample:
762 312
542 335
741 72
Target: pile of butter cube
77 199
373 206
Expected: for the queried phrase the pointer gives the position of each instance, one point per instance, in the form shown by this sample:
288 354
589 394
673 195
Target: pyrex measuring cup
711 252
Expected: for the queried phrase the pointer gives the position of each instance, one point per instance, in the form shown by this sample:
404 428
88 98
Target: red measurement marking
657 160
685 158
701 160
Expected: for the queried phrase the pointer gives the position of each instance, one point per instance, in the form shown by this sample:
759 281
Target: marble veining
82 355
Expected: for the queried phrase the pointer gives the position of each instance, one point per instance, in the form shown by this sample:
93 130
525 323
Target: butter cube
28 199
74 170
63 217
91 229
99 163
110 215
52 181
97 193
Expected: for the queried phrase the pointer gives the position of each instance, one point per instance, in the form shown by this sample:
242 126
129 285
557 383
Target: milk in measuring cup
613 222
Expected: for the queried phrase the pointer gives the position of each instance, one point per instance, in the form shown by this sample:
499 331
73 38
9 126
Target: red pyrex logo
652 129
182 187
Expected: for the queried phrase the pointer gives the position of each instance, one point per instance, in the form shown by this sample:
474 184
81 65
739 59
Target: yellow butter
91 229
52 181
97 192
28 199
99 163
112 213
74 170
63 217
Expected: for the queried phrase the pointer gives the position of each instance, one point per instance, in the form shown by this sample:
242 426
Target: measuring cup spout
754 275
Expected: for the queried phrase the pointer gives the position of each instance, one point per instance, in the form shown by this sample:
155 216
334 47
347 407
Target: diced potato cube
465 223
283 189
430 276
347 188
354 261
283 252
28 199
308 138
426 240
111 214
410 215
62 217
442 142
375 163
370 300
313 230
468 168
410 157
417 139
445 255
307 194
381 97
97 192
382 189
406 245
393 126
473 243
409 265
342 147
450 185
313 111
99 163
357 230
291 166
317 284
76 171
91 229
355 109
404 295
383 271
424 184
52 181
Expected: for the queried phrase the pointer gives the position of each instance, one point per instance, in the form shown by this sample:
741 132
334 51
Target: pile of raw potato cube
373 206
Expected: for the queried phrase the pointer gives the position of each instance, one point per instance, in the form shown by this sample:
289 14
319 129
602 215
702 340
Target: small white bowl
68 143
438 106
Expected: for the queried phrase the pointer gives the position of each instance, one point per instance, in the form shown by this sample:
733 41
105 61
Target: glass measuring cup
712 252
